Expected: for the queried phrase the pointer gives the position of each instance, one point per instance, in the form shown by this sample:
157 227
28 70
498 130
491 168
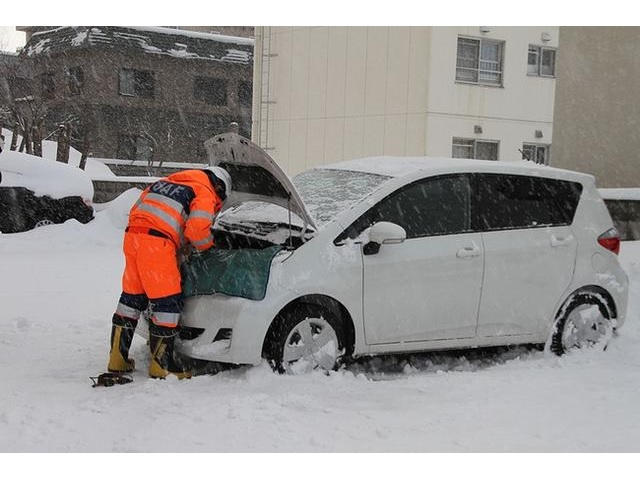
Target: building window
245 94
535 153
137 83
48 86
476 149
479 61
134 147
144 149
20 87
212 91
126 147
75 80
541 61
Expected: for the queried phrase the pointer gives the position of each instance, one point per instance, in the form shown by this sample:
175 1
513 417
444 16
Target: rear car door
427 287
530 250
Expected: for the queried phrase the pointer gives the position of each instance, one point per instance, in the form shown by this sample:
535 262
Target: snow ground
59 287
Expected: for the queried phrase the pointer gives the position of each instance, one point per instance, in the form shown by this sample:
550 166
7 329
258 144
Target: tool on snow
111 379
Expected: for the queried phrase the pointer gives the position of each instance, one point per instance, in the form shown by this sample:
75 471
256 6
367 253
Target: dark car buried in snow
35 192
23 210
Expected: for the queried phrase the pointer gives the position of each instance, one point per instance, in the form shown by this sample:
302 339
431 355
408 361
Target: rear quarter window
505 202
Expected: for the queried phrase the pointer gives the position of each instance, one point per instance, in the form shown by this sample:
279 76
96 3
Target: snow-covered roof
207 36
149 40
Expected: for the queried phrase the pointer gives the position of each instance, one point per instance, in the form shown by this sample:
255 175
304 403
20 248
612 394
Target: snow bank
117 210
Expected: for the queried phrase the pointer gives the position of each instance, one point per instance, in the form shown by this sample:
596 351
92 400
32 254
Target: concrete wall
107 190
597 111
325 94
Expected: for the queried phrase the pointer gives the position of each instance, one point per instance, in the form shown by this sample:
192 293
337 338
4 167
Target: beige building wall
597 111
326 94
510 114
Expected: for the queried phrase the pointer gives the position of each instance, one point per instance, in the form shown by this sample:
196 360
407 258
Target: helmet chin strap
220 190
218 185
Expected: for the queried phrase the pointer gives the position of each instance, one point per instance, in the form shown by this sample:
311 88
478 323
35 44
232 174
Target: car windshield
327 192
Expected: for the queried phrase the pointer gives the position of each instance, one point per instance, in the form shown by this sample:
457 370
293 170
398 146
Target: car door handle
561 241
467 252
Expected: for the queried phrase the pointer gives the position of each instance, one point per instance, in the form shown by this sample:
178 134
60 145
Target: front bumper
233 329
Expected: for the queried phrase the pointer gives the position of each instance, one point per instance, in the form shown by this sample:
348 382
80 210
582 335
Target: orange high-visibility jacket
182 206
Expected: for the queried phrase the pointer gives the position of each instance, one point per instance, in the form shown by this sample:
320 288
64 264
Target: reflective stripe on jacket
182 206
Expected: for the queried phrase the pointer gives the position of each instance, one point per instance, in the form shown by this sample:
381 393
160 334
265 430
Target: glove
202 252
184 253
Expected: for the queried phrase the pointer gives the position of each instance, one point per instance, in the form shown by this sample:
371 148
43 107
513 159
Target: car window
566 196
433 206
504 202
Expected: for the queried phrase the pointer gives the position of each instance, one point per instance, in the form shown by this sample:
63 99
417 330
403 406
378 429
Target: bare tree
23 110
86 143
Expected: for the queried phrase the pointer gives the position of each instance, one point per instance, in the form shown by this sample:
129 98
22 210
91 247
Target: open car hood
256 176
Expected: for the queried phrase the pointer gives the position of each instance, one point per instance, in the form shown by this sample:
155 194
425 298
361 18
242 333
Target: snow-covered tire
303 339
585 323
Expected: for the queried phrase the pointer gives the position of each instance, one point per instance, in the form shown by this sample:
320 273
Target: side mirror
383 232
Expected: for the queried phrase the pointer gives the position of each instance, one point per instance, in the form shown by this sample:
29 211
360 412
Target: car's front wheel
585 323
304 339
43 223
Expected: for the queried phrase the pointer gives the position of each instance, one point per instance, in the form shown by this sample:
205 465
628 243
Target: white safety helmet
222 175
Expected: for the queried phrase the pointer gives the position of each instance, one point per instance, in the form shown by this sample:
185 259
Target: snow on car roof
401 166
44 176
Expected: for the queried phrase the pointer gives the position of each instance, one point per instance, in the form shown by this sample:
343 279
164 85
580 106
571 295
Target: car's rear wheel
586 323
304 339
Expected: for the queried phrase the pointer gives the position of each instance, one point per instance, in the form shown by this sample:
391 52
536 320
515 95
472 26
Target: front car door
427 287
530 250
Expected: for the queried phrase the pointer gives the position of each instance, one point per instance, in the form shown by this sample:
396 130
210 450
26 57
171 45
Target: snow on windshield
327 192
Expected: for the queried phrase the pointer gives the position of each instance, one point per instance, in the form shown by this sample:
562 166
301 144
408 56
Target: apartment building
326 94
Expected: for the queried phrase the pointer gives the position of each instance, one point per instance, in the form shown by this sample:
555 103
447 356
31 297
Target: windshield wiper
251 226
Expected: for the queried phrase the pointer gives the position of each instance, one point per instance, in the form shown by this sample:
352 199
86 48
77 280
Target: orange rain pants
151 269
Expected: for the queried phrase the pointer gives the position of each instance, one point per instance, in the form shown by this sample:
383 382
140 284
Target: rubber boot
163 363
122 331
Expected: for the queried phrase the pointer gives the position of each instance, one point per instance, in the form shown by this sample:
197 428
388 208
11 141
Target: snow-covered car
391 255
35 191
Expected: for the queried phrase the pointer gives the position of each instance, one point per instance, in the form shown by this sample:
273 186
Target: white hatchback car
392 255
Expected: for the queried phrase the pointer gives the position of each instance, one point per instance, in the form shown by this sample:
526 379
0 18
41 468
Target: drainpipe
257 85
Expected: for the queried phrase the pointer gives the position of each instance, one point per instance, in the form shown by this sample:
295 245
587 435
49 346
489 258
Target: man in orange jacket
171 214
